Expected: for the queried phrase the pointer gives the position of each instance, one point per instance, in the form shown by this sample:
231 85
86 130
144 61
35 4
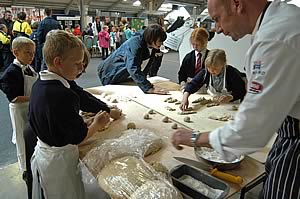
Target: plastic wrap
137 142
132 177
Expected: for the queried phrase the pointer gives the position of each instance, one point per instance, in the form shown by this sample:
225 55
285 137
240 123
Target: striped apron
283 163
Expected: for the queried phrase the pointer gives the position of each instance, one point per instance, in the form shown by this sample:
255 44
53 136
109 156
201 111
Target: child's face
216 69
25 54
72 64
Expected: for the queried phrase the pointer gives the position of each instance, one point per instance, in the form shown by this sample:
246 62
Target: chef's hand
157 90
184 102
223 98
101 119
115 113
182 137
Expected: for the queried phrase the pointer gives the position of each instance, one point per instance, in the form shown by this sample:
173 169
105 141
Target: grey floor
11 183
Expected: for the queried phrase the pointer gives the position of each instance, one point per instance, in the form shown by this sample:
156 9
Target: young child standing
54 118
103 38
16 82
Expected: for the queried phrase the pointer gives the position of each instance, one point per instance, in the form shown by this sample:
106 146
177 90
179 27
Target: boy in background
6 57
16 82
55 120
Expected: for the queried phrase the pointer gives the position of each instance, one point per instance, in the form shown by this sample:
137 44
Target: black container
200 175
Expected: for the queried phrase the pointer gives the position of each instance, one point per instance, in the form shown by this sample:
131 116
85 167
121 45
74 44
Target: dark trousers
30 143
118 45
104 53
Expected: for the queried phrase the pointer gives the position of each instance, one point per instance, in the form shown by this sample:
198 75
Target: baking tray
200 175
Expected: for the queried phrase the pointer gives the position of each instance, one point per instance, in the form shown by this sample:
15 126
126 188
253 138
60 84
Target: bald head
235 18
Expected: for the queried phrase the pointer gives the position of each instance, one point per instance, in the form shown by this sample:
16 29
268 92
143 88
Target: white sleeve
273 91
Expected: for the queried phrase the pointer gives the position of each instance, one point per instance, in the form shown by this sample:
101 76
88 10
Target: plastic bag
138 142
131 177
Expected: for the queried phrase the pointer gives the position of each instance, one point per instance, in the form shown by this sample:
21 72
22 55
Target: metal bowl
213 158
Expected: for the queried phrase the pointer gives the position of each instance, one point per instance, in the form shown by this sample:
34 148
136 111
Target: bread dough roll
121 177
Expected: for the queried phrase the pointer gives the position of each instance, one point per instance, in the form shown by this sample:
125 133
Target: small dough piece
151 111
235 108
114 101
186 112
165 119
170 108
174 126
169 98
213 104
189 109
187 119
146 116
131 125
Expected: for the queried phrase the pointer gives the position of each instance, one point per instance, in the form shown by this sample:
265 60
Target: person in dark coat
7 20
47 24
125 63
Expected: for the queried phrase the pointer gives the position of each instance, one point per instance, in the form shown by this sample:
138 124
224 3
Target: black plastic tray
200 175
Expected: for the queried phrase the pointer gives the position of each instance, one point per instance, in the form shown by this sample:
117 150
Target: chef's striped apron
283 163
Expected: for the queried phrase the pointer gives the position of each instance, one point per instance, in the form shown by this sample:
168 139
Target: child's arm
20 99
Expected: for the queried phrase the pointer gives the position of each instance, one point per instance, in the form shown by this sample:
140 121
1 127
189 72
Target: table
250 169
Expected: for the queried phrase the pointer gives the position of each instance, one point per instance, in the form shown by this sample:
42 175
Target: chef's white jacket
273 69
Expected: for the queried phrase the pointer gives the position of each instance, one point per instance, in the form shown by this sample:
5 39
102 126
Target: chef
272 102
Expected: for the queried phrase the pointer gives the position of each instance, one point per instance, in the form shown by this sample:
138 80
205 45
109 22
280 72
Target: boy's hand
101 119
115 113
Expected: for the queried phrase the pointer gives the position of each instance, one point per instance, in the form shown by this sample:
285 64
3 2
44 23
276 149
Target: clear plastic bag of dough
138 142
131 177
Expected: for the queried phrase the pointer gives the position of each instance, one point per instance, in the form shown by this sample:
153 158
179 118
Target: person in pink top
103 38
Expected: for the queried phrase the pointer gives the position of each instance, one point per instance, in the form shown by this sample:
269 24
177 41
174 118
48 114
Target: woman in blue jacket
125 63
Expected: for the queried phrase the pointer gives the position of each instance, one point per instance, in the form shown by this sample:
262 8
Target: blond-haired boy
54 117
16 83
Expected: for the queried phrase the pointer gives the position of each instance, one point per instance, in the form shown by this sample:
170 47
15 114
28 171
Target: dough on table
131 125
122 177
156 189
165 119
133 141
174 126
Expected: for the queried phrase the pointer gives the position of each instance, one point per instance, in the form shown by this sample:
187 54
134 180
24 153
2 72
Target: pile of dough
121 177
156 190
141 142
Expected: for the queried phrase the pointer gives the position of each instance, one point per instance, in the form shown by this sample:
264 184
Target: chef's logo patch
255 87
257 68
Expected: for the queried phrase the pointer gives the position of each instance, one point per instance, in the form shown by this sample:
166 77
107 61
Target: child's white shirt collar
47 75
16 62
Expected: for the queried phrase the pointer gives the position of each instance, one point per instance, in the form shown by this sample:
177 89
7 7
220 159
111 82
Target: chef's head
199 39
215 61
64 54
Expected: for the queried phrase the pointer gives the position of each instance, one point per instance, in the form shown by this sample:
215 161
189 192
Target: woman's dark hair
154 33
21 15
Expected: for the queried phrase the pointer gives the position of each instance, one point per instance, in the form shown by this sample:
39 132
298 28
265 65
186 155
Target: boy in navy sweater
55 120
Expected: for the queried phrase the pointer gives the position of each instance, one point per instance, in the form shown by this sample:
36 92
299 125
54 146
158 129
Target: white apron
212 91
56 170
19 117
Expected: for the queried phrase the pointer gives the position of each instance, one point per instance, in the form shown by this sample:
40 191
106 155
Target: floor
11 183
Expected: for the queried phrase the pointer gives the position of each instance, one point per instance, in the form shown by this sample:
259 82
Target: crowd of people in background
108 37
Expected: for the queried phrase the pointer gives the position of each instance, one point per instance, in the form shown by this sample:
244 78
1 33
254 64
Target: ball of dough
131 125
187 119
146 117
114 101
151 111
174 126
165 119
